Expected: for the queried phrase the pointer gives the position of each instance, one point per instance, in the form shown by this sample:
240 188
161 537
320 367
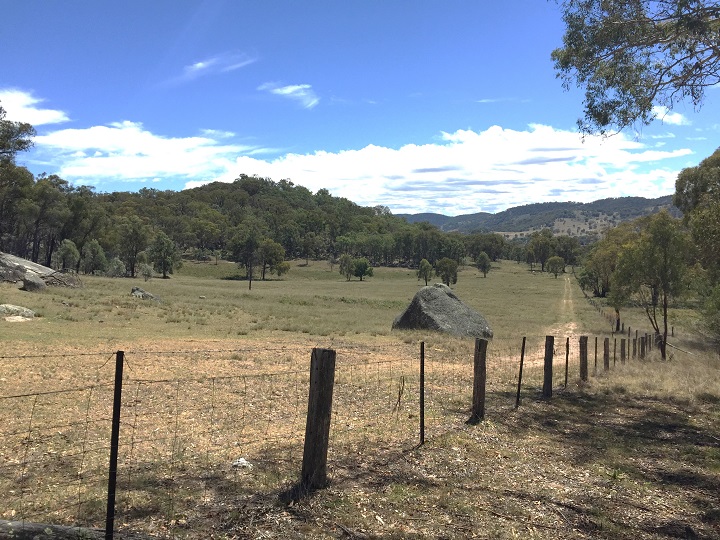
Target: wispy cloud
213 65
302 93
673 118
22 106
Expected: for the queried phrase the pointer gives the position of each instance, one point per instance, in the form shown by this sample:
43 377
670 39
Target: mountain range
571 218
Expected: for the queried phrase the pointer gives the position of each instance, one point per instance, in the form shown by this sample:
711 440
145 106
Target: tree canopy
632 55
14 137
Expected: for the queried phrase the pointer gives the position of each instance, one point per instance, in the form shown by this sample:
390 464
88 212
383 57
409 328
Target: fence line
187 440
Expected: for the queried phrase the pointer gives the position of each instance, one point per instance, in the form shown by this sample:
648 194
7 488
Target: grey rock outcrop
13 268
437 308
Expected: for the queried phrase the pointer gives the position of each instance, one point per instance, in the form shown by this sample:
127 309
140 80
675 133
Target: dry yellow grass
633 454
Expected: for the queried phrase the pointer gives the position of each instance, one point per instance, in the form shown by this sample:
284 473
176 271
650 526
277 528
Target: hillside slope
572 218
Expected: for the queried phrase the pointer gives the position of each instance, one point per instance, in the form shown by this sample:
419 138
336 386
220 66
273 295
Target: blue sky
422 106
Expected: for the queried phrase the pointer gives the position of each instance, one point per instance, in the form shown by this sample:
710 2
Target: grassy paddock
216 372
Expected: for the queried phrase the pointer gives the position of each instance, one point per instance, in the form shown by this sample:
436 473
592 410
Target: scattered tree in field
93 258
244 244
633 56
346 267
134 236
116 268
652 269
567 247
483 263
146 271
425 271
362 268
281 268
446 269
541 245
270 256
556 265
67 255
164 255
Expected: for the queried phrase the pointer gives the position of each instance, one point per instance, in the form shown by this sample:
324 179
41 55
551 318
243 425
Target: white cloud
125 151
478 171
667 117
21 106
461 172
302 93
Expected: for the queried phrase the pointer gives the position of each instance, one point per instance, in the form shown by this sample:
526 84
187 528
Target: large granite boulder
437 308
32 282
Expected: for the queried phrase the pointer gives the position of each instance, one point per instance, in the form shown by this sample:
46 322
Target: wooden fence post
479 379
317 427
596 355
422 392
642 347
548 371
114 446
634 342
522 359
583 358
614 352
622 351
606 354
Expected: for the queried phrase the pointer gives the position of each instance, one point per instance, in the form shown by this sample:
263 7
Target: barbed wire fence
198 425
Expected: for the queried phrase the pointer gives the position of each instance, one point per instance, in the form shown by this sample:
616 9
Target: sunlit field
216 371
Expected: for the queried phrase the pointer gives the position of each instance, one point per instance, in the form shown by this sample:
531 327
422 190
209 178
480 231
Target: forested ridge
233 220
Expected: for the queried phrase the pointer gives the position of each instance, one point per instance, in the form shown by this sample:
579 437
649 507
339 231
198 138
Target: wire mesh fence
197 425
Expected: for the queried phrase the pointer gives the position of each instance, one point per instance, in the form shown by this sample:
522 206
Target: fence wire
200 427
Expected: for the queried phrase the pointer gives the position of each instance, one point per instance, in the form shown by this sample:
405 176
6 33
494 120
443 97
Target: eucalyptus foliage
632 55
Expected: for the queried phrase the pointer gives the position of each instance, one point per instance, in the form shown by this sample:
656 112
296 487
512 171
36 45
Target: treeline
254 221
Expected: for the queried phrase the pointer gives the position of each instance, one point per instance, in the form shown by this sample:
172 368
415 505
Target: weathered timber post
583 358
317 428
614 352
548 371
642 348
634 342
622 351
422 392
522 359
606 354
479 379
596 355
672 331
114 446
567 359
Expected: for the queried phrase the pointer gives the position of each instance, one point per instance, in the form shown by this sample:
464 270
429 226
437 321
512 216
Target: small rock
242 463
140 293
16 311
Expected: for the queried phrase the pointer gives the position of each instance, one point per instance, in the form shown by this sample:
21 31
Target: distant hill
571 218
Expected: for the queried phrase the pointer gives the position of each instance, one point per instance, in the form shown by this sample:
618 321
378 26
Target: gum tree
651 270
631 56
